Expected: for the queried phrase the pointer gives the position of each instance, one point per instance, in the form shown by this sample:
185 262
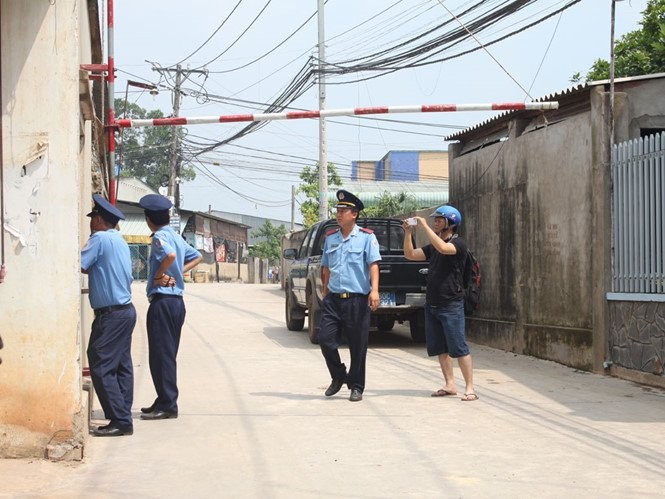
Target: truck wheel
295 316
314 314
385 323
417 326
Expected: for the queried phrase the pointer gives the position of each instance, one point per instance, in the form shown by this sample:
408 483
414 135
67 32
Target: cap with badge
347 200
155 202
106 210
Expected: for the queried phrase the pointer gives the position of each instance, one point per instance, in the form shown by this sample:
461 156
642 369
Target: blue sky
254 175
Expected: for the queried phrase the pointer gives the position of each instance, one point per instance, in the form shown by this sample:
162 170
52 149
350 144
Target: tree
146 151
310 188
269 248
639 52
389 205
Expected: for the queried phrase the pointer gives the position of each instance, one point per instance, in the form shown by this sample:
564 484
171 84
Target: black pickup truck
401 283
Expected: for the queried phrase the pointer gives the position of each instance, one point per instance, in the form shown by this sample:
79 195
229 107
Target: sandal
469 397
444 393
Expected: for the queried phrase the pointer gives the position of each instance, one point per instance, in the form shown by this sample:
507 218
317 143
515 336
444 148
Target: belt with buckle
159 296
112 308
344 296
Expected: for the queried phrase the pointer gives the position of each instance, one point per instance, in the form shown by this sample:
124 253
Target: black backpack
471 278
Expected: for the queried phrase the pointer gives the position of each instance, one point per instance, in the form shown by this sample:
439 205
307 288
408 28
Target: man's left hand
374 300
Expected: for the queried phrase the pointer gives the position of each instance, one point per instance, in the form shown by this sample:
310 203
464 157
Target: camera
412 221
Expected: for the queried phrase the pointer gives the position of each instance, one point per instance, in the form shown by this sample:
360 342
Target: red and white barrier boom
293 115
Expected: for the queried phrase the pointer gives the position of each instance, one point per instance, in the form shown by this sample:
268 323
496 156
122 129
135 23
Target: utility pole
181 75
293 206
175 157
323 153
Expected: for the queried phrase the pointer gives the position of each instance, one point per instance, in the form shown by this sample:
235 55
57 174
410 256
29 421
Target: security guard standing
350 279
107 261
170 258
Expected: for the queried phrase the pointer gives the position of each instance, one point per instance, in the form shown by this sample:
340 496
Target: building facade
535 190
47 164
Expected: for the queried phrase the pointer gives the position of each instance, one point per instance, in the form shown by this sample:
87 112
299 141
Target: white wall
43 156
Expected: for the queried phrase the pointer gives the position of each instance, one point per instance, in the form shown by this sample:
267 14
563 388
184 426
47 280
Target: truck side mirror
290 253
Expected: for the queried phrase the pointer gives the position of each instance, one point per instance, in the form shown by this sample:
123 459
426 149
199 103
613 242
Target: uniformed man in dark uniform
107 261
350 279
170 258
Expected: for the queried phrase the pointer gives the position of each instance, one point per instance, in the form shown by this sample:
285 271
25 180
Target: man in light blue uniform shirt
107 261
170 258
350 279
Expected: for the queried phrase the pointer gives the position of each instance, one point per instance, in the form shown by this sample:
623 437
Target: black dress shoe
157 414
356 395
334 387
112 431
146 410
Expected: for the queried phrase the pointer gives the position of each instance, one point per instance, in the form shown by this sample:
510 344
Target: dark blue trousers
166 315
110 359
348 317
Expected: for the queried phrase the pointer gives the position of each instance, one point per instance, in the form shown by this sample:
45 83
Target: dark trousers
110 359
348 317
166 315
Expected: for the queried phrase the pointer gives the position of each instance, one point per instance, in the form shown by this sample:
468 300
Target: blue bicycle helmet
450 213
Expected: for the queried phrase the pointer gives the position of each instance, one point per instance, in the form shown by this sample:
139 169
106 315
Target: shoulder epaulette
331 231
365 229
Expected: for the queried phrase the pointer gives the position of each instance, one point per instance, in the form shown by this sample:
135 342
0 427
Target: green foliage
639 52
146 151
269 248
310 188
576 78
389 205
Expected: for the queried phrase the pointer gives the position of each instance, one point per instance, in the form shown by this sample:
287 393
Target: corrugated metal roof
134 224
132 189
424 193
562 94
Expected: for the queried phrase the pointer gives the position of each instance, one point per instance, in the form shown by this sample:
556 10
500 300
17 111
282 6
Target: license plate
387 298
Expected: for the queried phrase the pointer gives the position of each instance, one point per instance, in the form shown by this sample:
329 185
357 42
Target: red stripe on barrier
230 118
371 110
303 114
439 108
508 106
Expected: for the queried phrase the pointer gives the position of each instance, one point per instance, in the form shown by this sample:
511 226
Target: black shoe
146 410
157 414
356 395
112 431
334 387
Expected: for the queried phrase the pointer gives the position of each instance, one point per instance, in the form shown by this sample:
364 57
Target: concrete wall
527 206
228 271
44 153
538 216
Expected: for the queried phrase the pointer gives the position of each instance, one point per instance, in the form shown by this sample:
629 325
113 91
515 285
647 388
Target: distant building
253 223
421 175
221 241
403 166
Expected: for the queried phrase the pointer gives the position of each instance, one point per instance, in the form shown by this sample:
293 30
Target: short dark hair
159 218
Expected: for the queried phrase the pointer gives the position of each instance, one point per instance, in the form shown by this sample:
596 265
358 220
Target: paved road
254 422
